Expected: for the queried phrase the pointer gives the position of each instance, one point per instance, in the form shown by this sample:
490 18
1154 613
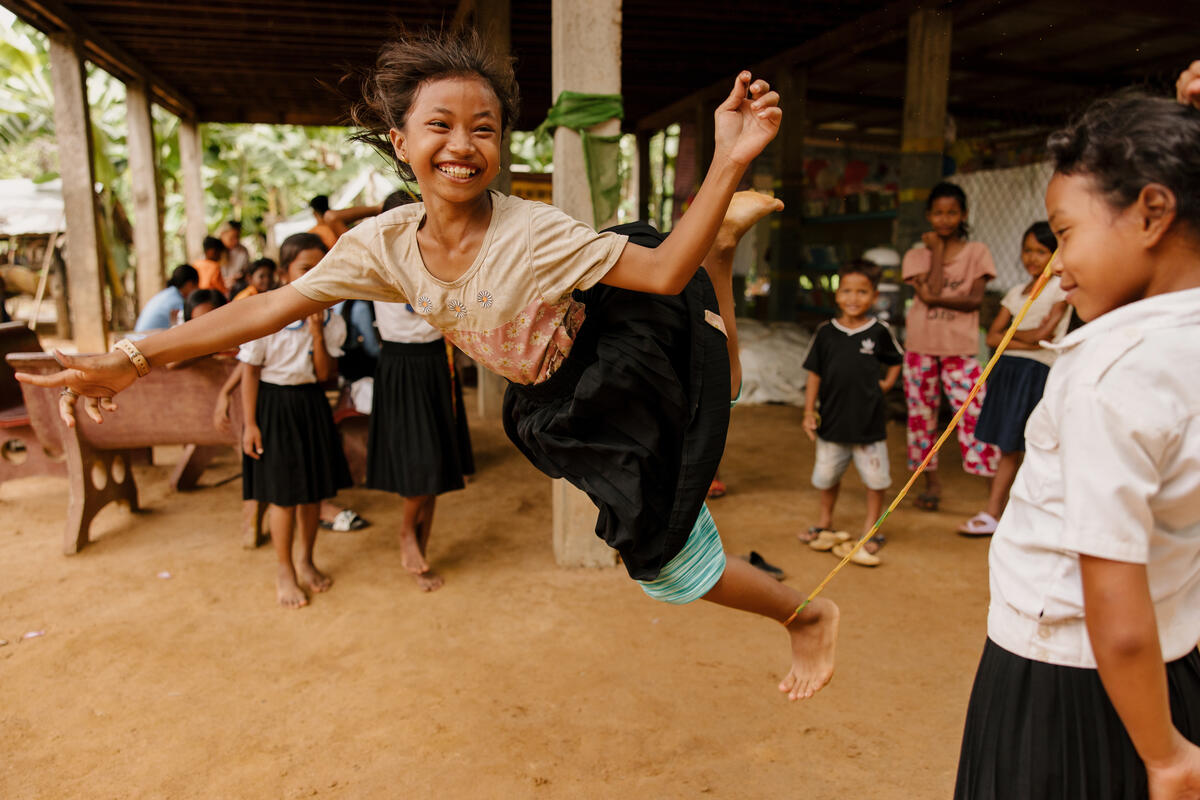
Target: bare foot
313 578
288 592
428 581
745 209
814 636
411 556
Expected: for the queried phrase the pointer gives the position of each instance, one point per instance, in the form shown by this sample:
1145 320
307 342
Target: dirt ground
517 679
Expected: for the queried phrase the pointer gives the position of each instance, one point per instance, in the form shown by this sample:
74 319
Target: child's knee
830 464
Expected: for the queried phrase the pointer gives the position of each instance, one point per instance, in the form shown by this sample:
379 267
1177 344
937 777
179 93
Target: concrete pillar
190 160
493 20
585 47
147 222
788 159
73 133
923 136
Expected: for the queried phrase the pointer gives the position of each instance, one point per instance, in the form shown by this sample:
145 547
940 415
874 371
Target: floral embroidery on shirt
424 304
484 298
458 307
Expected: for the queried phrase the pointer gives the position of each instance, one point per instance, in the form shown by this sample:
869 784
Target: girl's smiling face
1034 255
1100 257
303 262
451 138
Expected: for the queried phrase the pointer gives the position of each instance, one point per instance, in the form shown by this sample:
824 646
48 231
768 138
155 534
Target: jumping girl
620 352
293 457
1095 566
1019 378
949 275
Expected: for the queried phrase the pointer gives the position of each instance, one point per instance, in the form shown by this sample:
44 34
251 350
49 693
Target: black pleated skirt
418 442
1014 389
1037 731
636 415
302 459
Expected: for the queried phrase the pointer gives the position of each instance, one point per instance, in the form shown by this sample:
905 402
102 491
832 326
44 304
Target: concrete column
190 160
585 46
73 133
923 136
147 222
788 158
493 20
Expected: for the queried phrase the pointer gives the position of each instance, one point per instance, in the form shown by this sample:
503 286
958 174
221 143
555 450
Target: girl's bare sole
814 639
745 209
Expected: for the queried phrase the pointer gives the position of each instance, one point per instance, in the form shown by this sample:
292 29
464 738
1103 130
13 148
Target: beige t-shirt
942 331
1051 295
511 310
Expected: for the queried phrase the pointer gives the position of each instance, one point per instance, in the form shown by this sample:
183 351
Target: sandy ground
518 679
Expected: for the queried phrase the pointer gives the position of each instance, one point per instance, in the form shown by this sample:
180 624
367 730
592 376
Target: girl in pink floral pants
948 275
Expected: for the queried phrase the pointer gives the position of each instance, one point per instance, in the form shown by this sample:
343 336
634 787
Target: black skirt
302 459
418 442
1037 731
1014 389
636 415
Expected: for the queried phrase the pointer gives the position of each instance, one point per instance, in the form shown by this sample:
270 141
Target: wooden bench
167 407
21 452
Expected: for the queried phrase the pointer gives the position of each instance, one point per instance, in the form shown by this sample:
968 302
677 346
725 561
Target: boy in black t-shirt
843 364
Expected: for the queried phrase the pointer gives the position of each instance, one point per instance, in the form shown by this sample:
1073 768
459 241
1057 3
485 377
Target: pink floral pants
923 395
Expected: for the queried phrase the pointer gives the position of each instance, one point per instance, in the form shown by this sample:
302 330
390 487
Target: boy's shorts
871 461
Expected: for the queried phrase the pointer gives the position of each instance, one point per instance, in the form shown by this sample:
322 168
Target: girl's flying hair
1129 140
405 65
1041 231
296 244
947 189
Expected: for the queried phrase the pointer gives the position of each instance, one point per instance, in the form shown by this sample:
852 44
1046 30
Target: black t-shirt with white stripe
848 363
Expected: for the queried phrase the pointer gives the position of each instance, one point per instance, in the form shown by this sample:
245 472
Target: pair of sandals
841 544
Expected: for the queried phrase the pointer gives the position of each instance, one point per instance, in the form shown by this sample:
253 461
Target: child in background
1095 566
165 308
844 364
1016 384
621 352
293 456
418 443
949 276
209 267
201 302
260 278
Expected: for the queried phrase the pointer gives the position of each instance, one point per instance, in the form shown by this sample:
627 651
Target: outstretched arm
744 126
341 219
102 376
1120 620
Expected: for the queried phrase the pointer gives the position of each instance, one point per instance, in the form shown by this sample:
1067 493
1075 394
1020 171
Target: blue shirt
156 314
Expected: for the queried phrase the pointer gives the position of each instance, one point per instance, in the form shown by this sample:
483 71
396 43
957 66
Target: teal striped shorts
697 567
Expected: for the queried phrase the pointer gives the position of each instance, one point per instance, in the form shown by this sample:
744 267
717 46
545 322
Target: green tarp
601 154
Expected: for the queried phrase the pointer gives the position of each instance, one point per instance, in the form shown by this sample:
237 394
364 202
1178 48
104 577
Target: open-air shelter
882 76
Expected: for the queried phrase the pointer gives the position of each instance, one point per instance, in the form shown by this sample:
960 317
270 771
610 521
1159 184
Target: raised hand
1187 88
933 241
95 378
747 120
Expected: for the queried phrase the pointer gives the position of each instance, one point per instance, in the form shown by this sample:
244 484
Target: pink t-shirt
943 331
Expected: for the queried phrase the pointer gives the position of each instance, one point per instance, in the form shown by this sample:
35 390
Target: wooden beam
73 134
147 221
190 161
53 16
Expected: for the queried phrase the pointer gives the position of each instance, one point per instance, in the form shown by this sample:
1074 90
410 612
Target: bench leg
97 477
196 458
37 461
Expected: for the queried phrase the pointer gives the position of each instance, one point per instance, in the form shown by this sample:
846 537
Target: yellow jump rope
1012 329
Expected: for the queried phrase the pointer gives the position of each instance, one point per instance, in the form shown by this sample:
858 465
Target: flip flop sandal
716 489
862 557
758 561
345 521
827 540
927 502
982 524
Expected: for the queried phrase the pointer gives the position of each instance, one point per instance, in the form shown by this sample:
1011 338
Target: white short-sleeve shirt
286 355
1111 470
398 322
511 310
1039 309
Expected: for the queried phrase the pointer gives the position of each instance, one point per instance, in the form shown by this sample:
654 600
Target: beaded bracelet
139 361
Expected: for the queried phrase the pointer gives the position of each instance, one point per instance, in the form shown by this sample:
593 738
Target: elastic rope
1038 285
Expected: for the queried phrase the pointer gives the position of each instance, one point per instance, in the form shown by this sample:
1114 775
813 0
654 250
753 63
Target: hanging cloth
601 154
